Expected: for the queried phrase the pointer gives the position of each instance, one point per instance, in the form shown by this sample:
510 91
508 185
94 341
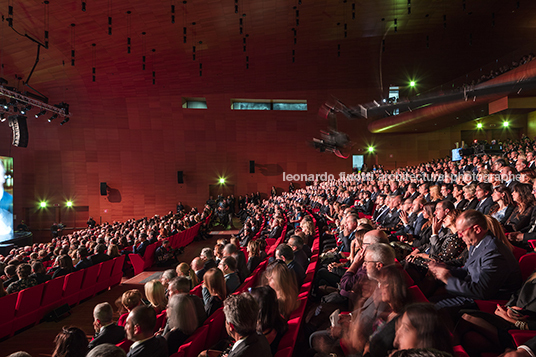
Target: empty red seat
87 289
117 271
52 295
27 310
105 274
527 264
71 287
161 319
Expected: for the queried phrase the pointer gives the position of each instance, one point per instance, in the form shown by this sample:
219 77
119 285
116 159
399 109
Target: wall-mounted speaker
252 167
180 179
103 189
19 129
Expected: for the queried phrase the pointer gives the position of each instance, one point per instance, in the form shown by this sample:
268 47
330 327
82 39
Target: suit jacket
254 345
298 271
415 227
99 258
491 272
485 205
232 282
276 232
153 347
300 257
110 334
461 205
140 249
391 219
472 204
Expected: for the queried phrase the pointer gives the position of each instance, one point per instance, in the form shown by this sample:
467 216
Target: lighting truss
60 109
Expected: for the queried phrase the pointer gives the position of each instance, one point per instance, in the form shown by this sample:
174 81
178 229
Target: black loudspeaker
252 167
180 179
103 189
19 129
58 313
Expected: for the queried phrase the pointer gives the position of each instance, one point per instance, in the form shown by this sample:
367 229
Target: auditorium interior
162 97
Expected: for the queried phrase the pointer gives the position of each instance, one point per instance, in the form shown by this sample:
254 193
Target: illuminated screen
6 198
456 155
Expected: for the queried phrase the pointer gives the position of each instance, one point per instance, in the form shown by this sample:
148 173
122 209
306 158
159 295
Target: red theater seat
105 274
7 314
27 310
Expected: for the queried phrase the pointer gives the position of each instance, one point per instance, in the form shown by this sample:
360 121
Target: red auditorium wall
136 143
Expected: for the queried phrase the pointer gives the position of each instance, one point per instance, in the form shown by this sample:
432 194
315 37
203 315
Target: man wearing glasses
491 270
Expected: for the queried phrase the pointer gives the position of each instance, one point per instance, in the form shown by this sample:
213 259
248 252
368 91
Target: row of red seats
29 306
288 342
213 330
178 240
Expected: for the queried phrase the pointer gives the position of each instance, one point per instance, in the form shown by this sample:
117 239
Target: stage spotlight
4 104
26 109
505 124
221 180
69 203
370 149
52 117
3 117
42 112
43 204
66 120
479 125
412 83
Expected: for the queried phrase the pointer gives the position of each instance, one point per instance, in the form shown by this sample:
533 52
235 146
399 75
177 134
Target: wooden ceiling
294 45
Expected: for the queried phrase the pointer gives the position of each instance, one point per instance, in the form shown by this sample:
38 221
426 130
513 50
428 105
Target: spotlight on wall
26 109
42 112
52 117
66 120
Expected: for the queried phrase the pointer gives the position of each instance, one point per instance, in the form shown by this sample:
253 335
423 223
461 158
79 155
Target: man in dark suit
139 328
207 255
141 244
491 271
241 313
85 261
228 267
100 255
413 227
241 264
285 253
483 193
106 331
39 272
296 244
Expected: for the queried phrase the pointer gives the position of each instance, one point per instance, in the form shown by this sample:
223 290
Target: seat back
196 342
117 271
137 262
52 295
27 310
161 319
90 279
105 273
216 328
148 257
7 314
527 264
71 287
416 295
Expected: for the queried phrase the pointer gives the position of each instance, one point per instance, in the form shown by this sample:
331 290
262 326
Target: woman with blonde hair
283 281
435 194
183 269
214 290
156 294
113 251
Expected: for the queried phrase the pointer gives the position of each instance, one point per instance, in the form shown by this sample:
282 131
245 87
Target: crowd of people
445 232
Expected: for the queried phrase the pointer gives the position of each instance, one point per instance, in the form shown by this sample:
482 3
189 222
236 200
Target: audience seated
182 323
139 328
270 322
106 350
70 342
129 300
214 290
184 270
106 331
228 267
156 294
282 280
25 279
